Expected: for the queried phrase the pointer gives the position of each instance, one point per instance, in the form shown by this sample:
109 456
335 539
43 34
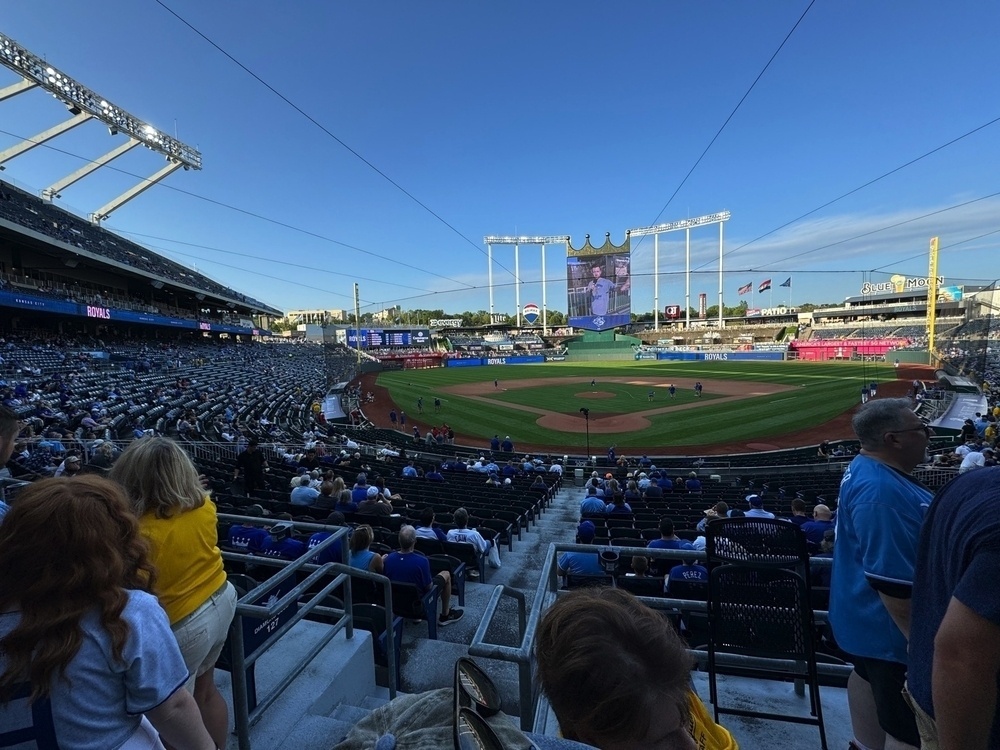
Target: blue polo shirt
592 504
670 544
581 563
815 530
408 568
879 519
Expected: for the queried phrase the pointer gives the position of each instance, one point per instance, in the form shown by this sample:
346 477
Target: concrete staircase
322 704
339 688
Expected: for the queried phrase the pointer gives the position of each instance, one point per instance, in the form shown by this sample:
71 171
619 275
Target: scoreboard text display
373 338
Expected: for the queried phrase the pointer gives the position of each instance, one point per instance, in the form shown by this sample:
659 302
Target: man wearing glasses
881 511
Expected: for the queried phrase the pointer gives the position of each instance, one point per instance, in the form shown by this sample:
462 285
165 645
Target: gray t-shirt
98 702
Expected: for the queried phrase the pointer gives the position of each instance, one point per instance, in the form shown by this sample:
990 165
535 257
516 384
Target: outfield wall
717 356
601 355
479 362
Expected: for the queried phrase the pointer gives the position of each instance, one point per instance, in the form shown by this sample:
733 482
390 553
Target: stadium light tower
85 105
517 241
675 226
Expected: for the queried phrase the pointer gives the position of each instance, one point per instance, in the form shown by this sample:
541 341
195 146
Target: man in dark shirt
822 522
407 566
374 504
954 649
310 460
253 464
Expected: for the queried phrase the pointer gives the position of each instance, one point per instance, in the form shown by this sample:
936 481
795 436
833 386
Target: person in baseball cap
757 507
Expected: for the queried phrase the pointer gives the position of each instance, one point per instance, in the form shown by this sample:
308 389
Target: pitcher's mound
594 394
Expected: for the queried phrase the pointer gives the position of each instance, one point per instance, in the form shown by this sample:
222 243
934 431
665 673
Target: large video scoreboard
372 338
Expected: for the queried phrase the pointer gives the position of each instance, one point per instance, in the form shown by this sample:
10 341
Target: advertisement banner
599 285
98 312
722 356
530 313
950 293
478 362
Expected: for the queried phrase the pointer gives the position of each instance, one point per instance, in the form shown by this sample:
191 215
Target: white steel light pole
674 226
517 241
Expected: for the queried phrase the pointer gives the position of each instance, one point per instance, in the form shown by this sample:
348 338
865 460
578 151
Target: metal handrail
341 577
531 706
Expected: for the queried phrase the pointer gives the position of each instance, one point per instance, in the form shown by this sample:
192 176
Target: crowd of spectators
32 213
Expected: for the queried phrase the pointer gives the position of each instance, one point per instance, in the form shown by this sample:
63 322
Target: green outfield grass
821 392
627 398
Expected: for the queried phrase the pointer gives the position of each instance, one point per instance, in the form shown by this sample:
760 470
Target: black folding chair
763 611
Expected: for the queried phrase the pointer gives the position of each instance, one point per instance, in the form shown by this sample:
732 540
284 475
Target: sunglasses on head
476 698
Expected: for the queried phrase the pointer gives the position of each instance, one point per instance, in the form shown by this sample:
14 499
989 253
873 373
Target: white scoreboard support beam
675 226
55 189
86 104
104 211
517 241
16 88
46 135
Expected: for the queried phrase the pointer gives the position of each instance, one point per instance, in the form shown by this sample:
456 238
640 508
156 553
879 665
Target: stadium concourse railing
533 708
278 596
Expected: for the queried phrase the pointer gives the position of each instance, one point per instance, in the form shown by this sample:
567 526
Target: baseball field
744 406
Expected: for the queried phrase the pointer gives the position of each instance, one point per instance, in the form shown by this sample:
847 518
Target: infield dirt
838 428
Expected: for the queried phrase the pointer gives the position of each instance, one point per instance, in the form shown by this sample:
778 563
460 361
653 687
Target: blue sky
535 118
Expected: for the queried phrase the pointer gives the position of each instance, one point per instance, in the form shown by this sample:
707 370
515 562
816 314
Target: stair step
313 731
371 702
350 714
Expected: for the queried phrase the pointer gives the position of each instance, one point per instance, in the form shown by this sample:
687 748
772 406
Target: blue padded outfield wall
477 362
718 356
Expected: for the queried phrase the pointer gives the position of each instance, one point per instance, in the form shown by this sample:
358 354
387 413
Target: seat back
428 546
693 590
758 610
466 552
584 581
408 602
758 541
644 586
41 730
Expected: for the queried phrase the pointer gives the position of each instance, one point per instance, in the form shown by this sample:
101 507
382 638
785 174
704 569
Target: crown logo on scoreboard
530 313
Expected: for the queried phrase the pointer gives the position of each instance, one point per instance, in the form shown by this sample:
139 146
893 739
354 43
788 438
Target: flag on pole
764 286
787 282
745 289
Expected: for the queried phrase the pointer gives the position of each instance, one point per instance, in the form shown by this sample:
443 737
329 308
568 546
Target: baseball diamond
745 407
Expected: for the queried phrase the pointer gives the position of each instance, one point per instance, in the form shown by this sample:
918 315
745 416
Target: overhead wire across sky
459 285
729 117
325 130
247 212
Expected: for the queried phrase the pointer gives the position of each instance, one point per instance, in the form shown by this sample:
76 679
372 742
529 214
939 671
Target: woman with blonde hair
179 520
362 557
80 626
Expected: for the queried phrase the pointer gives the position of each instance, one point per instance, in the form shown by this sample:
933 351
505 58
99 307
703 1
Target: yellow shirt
706 733
187 558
